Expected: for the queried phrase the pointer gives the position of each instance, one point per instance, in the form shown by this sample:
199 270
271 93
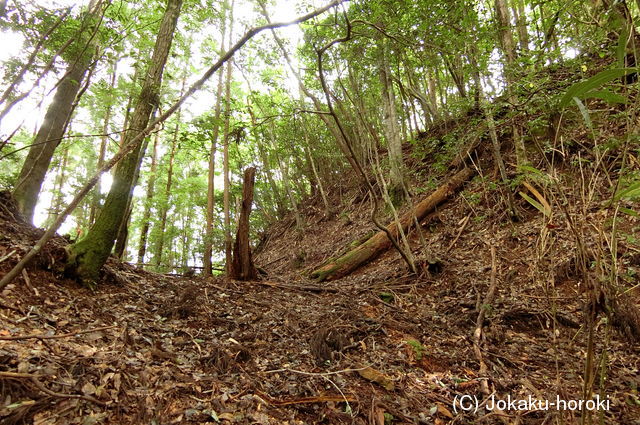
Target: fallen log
379 243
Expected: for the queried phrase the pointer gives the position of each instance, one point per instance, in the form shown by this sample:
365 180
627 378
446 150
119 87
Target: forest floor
379 346
376 347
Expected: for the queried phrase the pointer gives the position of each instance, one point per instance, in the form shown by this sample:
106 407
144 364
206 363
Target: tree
390 119
225 155
87 256
208 240
55 122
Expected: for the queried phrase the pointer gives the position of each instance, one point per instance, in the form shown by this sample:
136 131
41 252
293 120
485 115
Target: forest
319 212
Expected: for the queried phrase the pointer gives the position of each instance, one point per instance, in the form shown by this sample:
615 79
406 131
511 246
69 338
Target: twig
41 387
305 400
477 334
7 256
310 288
465 221
321 374
27 281
40 336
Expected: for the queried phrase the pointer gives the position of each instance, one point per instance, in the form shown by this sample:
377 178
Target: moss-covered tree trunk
87 256
379 242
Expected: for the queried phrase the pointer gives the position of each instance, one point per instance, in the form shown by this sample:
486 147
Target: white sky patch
12 44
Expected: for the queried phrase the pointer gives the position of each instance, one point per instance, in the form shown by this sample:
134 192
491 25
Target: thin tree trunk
57 201
328 211
208 239
284 171
505 33
225 159
88 255
495 143
521 22
274 194
391 130
157 257
95 202
146 215
316 102
123 232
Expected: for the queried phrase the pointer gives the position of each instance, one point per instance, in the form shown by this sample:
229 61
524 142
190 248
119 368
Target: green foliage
387 297
418 348
587 88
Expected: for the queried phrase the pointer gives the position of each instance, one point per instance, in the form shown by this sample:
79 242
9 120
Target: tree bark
521 21
380 242
87 256
122 238
507 43
242 267
391 130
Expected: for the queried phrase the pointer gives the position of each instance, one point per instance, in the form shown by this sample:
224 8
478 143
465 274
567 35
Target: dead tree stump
242 267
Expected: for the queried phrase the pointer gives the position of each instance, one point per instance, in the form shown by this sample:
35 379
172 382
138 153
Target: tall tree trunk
274 194
49 135
391 131
146 215
284 171
157 257
208 239
58 195
328 211
225 159
120 247
88 255
242 267
521 21
503 18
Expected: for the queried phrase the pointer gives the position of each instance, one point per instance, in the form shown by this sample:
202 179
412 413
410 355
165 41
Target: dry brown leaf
373 375
444 411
